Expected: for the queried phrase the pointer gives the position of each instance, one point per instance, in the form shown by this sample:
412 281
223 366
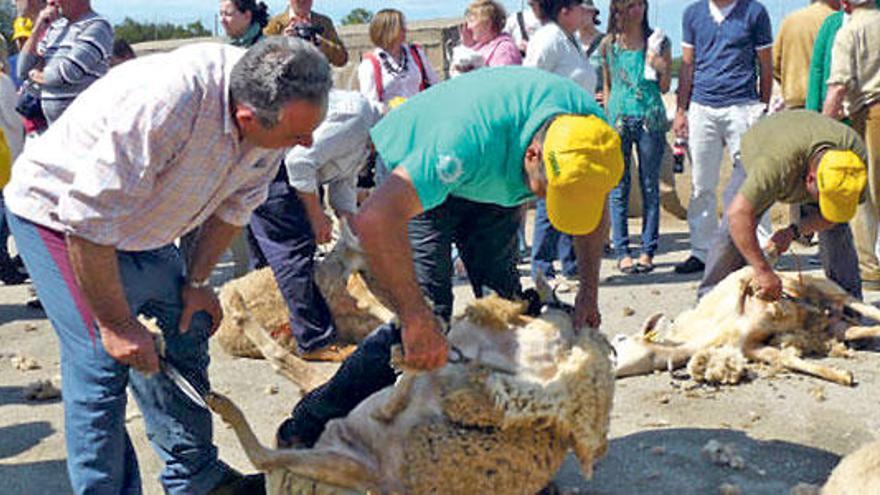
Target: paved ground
783 431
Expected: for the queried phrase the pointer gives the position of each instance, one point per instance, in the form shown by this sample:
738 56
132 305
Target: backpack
377 69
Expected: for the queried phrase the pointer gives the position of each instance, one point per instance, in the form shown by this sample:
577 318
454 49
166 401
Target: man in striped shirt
69 49
95 204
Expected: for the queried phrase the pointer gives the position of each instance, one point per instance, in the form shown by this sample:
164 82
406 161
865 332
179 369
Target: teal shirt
467 137
631 94
820 61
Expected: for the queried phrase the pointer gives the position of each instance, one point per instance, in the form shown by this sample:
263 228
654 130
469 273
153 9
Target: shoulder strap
521 20
377 73
417 58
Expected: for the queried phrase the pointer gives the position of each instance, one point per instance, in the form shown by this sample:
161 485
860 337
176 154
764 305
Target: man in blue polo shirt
463 155
724 42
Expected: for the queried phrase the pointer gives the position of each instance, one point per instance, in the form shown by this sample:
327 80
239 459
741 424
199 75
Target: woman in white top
555 47
394 68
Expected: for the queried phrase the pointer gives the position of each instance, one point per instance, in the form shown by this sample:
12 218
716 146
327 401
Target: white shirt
10 120
721 13
404 84
531 23
341 146
553 50
145 154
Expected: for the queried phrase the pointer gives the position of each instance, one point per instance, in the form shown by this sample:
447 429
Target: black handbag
29 104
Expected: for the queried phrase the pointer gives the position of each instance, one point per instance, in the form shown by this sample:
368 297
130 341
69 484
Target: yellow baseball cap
583 162
841 178
22 28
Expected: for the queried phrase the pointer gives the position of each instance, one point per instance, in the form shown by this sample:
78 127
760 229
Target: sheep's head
537 373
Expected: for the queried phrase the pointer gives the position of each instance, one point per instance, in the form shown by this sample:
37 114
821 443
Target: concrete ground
787 429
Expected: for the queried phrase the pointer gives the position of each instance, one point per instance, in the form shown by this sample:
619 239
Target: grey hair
277 71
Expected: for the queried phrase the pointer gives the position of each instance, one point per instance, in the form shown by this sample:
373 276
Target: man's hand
322 226
424 346
770 285
780 241
201 299
680 124
132 344
586 310
36 76
46 16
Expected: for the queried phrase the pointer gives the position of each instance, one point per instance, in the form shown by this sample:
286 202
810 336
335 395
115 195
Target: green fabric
820 62
467 137
776 154
631 94
249 38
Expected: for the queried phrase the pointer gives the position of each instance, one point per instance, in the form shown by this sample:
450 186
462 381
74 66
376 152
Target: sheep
499 420
344 283
814 319
857 473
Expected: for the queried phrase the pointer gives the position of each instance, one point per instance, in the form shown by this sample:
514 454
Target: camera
308 32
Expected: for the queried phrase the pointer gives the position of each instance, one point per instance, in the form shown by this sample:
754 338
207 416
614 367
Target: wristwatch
198 284
795 230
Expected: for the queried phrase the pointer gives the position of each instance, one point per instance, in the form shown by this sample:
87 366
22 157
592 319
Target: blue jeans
549 244
100 456
281 236
836 249
650 147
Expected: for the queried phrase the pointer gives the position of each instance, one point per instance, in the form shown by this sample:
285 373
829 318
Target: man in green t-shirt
458 154
793 157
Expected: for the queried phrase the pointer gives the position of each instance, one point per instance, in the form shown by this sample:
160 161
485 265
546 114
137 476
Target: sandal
629 269
645 265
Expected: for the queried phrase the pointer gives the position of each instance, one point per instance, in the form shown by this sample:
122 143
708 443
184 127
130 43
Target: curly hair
488 9
259 10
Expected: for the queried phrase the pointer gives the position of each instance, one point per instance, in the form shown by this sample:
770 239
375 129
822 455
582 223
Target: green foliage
357 16
134 32
676 66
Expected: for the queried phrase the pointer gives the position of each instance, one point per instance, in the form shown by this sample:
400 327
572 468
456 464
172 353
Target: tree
134 32
357 16
7 15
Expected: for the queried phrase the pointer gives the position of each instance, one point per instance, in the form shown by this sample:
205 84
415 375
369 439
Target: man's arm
743 222
381 226
765 63
685 87
332 46
97 273
213 239
322 226
588 250
833 106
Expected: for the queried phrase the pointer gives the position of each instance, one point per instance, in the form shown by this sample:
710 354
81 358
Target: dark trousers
836 248
486 237
281 236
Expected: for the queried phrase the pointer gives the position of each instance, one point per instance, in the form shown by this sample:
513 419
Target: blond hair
385 28
488 9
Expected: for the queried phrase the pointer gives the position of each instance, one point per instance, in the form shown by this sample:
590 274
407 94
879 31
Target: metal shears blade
182 383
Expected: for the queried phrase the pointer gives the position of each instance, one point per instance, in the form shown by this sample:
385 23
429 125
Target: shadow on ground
670 461
35 478
19 312
18 438
15 395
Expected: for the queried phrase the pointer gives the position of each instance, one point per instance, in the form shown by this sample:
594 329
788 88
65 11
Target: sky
664 14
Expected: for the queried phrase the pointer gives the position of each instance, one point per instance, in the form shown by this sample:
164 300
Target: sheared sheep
499 420
813 319
857 474
344 283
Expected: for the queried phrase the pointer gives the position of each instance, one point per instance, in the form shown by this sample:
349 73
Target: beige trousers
864 225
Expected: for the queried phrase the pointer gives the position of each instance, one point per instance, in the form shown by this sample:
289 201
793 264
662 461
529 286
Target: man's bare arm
765 62
213 239
381 226
833 106
685 87
588 249
96 270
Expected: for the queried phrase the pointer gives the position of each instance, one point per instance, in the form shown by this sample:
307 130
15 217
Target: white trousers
710 129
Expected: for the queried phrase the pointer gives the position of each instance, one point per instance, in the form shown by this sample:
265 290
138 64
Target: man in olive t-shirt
793 157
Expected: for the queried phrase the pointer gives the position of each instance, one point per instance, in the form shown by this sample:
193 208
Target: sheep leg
636 356
398 400
861 332
366 300
772 355
285 363
863 309
317 465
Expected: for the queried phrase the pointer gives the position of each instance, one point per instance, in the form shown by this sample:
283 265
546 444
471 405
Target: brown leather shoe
332 353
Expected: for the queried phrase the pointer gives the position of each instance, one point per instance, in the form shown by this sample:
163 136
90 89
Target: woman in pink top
482 32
